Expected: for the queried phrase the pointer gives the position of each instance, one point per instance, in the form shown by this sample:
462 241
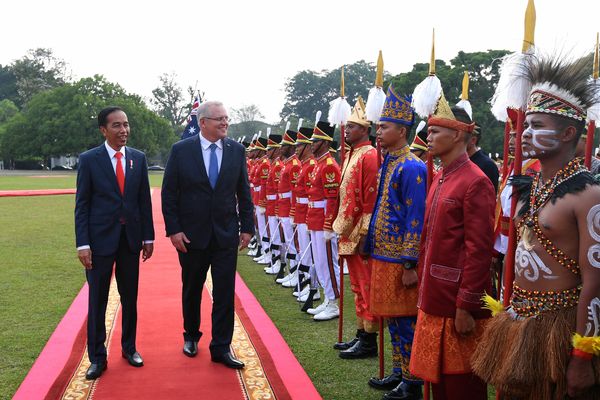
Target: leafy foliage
62 121
483 75
169 101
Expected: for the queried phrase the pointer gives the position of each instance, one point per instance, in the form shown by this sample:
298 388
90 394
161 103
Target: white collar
112 152
206 143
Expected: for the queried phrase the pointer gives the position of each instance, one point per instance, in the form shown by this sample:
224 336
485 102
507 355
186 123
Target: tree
246 113
7 110
62 121
8 84
37 71
169 102
483 69
308 91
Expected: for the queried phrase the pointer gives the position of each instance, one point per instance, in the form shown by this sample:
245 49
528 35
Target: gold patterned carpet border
253 380
80 388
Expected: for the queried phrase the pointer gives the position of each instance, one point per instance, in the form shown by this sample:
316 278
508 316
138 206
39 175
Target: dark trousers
98 278
194 267
459 387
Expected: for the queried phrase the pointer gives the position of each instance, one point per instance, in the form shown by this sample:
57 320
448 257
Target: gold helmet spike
528 37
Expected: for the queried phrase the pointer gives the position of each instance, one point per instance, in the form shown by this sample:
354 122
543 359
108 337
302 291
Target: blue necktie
213 166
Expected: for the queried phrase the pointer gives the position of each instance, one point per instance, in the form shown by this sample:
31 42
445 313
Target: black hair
104 113
563 123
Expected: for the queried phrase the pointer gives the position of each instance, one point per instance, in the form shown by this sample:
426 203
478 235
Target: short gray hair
203 108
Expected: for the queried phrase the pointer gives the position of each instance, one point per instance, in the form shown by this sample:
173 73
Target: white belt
317 204
286 195
271 197
257 189
302 200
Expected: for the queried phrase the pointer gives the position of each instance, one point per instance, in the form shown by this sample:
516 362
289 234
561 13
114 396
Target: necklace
540 195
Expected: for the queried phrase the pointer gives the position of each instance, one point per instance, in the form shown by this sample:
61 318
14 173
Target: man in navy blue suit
208 214
113 223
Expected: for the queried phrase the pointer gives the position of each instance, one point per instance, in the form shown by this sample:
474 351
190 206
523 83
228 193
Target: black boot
405 391
365 347
347 345
309 301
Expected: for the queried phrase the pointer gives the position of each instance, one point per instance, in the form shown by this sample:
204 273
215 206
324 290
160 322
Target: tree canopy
62 121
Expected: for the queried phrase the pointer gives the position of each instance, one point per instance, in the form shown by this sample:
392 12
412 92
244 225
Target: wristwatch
409 265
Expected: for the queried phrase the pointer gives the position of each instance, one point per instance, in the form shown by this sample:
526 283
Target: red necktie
119 172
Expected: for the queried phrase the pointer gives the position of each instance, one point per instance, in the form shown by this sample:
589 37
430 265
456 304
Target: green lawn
40 276
53 180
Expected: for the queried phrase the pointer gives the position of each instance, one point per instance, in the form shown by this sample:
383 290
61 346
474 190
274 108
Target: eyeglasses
219 119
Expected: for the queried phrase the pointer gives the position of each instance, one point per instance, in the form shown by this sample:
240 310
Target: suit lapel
129 168
225 160
106 165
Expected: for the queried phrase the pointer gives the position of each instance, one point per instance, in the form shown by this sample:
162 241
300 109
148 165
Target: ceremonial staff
373 109
592 115
527 50
339 112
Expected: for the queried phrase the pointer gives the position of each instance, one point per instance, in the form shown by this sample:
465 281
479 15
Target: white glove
260 210
328 235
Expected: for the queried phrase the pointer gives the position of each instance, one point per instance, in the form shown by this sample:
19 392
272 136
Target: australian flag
192 127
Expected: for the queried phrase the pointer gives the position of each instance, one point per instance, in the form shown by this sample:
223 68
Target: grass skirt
527 358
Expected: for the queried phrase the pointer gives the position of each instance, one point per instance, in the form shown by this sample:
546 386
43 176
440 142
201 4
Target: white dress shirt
113 159
205 143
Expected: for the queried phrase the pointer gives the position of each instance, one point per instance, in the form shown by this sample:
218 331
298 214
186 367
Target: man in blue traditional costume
393 241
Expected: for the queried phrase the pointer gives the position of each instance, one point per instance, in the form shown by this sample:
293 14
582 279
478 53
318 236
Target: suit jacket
192 206
457 240
100 208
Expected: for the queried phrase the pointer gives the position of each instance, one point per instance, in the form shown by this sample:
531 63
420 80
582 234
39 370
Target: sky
242 52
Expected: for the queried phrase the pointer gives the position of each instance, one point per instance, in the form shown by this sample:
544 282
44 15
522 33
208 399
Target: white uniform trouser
261 220
275 238
325 254
288 250
304 251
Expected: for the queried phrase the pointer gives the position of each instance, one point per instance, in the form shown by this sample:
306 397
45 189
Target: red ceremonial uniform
300 191
271 187
323 194
263 176
358 193
289 176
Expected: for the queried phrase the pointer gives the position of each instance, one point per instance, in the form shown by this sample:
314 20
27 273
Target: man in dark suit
113 223
208 211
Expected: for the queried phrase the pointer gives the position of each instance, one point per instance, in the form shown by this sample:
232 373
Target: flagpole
589 145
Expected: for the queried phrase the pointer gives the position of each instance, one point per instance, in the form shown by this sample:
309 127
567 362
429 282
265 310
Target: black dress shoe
365 347
405 391
95 370
134 358
190 348
387 382
228 360
345 345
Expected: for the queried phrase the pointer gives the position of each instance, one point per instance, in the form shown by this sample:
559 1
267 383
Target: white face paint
593 224
542 140
592 328
528 265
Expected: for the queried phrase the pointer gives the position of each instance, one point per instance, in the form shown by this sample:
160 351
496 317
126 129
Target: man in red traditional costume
454 262
260 176
358 192
322 210
545 345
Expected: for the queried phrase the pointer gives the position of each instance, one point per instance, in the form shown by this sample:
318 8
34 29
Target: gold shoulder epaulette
295 162
312 162
329 161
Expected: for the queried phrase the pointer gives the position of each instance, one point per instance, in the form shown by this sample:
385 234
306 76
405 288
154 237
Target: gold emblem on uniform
330 177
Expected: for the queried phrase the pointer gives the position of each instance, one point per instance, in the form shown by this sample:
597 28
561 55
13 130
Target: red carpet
271 370
40 192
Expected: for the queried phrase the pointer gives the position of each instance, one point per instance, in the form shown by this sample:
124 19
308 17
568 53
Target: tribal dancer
546 344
